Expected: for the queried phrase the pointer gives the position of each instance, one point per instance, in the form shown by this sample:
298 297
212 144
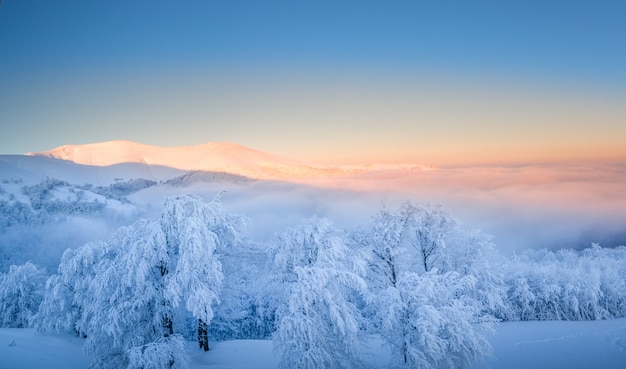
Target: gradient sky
323 81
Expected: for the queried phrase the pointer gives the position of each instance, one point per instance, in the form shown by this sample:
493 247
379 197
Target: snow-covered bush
21 291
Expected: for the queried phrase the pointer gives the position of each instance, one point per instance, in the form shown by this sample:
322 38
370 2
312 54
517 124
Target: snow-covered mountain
214 157
32 169
201 157
221 157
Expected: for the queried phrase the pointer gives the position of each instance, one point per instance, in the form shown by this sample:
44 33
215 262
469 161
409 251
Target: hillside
215 157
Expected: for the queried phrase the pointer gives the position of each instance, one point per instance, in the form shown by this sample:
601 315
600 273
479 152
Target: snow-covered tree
432 228
21 292
126 295
193 232
423 294
163 353
318 322
249 299
567 284
67 292
472 253
129 307
426 319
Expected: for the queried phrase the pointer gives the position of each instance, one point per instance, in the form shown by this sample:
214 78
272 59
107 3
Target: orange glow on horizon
446 156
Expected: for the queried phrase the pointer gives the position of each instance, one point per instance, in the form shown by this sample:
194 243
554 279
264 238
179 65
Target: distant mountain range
218 157
214 156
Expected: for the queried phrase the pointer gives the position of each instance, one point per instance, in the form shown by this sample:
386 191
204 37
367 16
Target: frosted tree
67 292
472 253
567 284
432 239
427 235
432 228
249 299
318 323
126 295
427 321
129 307
421 306
196 233
21 292
382 242
162 267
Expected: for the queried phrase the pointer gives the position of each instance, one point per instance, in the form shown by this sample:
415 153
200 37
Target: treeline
567 284
413 277
46 204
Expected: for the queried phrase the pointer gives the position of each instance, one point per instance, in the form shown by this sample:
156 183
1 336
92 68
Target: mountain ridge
122 151
223 157
213 156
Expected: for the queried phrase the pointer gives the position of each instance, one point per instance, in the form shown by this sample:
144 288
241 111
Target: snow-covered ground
537 345
559 344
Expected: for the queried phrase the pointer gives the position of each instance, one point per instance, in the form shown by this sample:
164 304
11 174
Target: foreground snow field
559 344
537 345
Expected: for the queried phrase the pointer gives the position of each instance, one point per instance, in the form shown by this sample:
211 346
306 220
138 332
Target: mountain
218 157
33 168
207 156
214 157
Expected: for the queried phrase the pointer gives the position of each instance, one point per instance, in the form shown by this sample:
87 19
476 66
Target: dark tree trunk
166 320
168 326
203 335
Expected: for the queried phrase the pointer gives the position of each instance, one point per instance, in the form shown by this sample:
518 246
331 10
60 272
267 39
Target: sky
442 83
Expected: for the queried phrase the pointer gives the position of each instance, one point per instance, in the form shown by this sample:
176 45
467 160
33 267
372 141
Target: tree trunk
203 335
168 326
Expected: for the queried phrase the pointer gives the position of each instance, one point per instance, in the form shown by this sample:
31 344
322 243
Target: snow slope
215 156
537 345
32 169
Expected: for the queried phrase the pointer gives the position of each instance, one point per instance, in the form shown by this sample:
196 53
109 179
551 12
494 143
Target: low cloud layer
532 206
535 206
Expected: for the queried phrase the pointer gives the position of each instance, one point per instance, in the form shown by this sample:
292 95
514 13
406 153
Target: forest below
412 276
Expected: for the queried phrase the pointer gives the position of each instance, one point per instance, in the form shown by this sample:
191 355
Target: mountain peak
213 156
226 157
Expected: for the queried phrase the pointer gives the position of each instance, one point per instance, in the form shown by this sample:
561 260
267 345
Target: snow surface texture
523 345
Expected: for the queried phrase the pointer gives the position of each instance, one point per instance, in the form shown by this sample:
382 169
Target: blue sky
318 80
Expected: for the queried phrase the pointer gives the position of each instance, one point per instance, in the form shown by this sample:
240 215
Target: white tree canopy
21 292
318 323
123 294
